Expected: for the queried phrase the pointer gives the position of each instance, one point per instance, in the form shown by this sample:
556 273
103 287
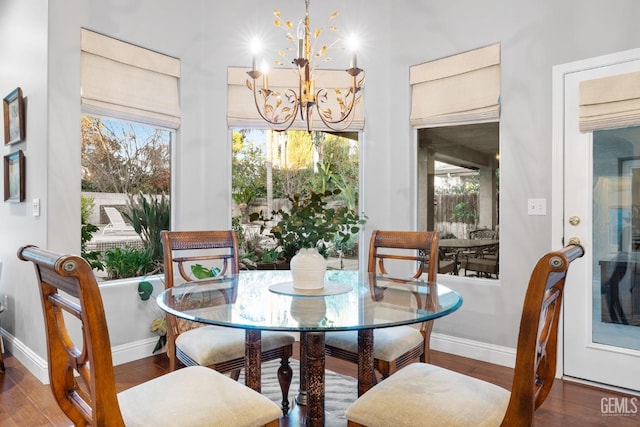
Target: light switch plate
36 207
537 206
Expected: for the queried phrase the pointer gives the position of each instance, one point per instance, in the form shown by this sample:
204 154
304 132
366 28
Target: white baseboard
39 367
477 350
30 360
133 351
126 353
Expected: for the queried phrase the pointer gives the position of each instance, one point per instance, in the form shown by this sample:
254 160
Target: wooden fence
444 210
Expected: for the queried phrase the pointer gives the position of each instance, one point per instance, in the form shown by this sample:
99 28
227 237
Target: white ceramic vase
308 268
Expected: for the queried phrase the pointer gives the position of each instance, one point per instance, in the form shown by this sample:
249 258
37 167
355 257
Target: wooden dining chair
81 375
427 395
216 347
398 346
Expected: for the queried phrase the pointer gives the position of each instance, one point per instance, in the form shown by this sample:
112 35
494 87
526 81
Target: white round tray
330 288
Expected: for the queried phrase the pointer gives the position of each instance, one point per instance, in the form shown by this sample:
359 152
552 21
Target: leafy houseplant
309 223
304 231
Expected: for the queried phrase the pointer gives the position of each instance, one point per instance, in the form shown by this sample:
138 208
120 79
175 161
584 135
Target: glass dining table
350 300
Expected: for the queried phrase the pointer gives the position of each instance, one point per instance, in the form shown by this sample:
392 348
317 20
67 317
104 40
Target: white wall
40 53
534 36
23 62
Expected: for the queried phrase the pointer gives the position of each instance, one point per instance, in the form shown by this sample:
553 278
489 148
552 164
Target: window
131 109
125 158
456 111
122 162
459 172
268 166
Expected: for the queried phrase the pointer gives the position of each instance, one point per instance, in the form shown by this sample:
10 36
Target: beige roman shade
241 109
457 90
610 102
128 82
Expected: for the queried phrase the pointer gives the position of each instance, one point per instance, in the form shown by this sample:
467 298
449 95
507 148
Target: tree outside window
268 166
126 166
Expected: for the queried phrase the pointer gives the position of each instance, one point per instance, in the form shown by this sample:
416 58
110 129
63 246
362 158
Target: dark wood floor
24 401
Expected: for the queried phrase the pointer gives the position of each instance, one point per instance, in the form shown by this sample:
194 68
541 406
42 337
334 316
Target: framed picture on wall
14 121
14 177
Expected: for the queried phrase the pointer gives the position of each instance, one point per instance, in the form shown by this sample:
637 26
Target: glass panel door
601 208
616 238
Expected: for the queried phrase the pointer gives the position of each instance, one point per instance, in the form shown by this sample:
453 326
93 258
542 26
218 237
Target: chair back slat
81 377
538 337
68 306
184 248
415 246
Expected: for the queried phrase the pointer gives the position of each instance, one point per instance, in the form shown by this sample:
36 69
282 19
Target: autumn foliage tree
120 157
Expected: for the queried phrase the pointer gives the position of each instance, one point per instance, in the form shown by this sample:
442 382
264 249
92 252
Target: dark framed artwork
14 121
14 177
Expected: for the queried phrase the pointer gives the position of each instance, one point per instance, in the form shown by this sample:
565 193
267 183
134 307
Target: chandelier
334 106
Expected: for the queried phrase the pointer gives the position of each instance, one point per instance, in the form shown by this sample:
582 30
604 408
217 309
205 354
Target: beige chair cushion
197 396
426 395
388 343
209 345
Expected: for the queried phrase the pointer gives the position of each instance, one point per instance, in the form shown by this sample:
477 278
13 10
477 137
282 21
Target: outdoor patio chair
116 222
483 233
484 262
447 262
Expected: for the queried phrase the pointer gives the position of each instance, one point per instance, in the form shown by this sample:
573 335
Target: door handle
574 241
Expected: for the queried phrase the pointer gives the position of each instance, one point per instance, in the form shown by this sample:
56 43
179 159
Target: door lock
574 220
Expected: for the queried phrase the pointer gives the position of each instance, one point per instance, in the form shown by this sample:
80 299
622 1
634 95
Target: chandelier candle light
334 106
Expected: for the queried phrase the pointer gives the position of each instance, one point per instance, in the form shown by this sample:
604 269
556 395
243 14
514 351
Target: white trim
559 73
600 385
129 352
39 367
27 357
490 353
363 243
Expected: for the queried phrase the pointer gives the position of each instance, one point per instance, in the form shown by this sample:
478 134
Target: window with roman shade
128 82
456 90
241 108
610 102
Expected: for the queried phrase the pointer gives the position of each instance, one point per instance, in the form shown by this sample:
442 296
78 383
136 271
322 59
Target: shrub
149 218
86 233
127 262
